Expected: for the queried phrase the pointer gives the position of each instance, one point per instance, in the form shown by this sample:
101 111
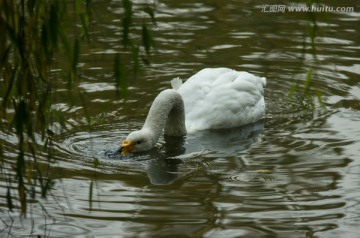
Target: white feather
176 83
222 98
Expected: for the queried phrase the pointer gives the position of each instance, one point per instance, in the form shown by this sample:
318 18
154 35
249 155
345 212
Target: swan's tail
176 83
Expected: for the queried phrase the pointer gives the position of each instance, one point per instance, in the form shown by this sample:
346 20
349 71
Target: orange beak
127 146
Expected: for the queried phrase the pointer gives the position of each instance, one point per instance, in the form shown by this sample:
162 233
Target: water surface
293 174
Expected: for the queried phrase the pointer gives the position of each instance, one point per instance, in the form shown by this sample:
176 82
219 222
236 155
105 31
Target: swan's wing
227 98
195 89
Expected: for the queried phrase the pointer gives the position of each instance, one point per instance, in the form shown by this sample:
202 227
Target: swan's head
138 141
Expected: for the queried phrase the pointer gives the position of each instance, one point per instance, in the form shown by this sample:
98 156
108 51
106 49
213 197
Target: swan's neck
166 114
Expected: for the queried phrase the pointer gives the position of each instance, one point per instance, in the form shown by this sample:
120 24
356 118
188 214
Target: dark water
294 174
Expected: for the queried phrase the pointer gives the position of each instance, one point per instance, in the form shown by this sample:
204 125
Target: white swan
213 98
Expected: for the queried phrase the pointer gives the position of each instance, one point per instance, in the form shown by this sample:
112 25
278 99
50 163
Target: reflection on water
294 174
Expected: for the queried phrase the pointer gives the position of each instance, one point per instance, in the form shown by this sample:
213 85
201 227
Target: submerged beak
127 146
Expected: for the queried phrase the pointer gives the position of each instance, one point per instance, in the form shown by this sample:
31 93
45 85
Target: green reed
33 34
309 46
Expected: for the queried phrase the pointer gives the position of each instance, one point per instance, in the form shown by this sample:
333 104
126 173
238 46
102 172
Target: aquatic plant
32 35
309 46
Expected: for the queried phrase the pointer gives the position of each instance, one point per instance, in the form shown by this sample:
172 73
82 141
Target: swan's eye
139 142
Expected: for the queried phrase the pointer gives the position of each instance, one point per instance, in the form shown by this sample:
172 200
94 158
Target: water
294 174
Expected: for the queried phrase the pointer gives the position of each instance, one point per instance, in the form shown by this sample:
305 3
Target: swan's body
211 99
